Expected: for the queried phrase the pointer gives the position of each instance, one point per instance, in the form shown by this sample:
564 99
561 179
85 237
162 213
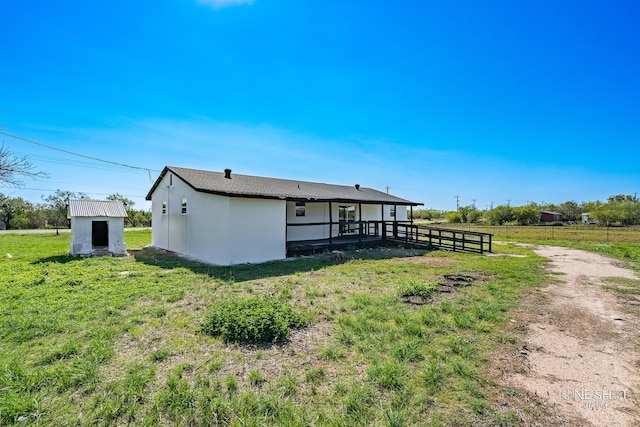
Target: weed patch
252 320
416 288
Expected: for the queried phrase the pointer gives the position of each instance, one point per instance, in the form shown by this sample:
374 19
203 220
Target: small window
393 211
164 208
184 206
301 209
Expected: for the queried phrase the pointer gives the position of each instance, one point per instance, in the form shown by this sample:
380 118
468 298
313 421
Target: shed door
100 233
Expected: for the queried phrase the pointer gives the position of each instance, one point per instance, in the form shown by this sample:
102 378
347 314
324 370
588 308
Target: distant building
549 216
586 218
97 227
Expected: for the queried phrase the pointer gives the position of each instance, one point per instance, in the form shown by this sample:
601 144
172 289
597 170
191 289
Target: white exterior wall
81 235
257 230
217 229
314 212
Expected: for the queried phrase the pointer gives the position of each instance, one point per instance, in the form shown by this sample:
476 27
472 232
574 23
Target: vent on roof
357 186
227 173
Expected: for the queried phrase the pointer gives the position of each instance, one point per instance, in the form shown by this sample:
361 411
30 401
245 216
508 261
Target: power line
97 159
76 163
85 192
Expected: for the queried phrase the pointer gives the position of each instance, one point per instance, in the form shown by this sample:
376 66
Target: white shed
97 227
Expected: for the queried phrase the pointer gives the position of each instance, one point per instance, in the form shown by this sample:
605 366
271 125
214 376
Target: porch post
359 222
395 220
330 224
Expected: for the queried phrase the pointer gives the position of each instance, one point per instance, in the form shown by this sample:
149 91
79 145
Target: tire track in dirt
582 346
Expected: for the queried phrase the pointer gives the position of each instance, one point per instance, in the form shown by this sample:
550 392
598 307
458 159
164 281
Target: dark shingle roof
273 188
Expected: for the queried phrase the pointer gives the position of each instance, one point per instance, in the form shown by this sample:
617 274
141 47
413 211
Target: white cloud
219 4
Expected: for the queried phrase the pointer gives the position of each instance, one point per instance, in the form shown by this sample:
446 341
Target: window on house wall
393 211
164 208
301 209
184 206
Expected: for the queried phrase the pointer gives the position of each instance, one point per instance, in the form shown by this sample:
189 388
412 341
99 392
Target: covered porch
313 226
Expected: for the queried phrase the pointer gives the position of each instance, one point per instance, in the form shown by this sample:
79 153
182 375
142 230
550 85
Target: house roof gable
96 208
238 185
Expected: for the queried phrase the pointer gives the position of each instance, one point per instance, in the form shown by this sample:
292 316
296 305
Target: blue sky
491 101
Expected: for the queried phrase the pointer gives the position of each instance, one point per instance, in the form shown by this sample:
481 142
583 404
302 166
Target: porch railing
407 233
443 238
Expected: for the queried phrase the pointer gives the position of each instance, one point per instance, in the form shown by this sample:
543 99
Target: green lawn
618 242
392 340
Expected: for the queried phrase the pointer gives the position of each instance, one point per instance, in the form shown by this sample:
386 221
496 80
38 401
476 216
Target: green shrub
252 319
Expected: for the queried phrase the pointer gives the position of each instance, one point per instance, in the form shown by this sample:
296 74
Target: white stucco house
97 227
223 218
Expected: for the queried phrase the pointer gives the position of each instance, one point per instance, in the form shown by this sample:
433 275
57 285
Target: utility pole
508 202
457 202
474 203
388 188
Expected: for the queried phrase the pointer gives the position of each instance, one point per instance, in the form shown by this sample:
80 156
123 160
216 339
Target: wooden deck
397 233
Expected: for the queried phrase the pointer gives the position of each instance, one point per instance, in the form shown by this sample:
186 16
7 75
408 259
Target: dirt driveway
580 348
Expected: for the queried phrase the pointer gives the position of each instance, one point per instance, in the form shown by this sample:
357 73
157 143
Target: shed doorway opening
100 234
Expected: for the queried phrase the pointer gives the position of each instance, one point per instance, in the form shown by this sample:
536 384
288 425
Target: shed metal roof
97 208
238 185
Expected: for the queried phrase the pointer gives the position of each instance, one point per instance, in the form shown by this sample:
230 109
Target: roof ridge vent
357 186
227 173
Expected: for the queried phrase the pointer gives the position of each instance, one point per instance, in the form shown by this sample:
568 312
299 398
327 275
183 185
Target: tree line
17 213
621 209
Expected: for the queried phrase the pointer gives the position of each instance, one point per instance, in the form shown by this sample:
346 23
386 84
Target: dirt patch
578 349
448 284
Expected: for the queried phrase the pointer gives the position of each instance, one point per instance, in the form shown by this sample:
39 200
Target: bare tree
13 167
